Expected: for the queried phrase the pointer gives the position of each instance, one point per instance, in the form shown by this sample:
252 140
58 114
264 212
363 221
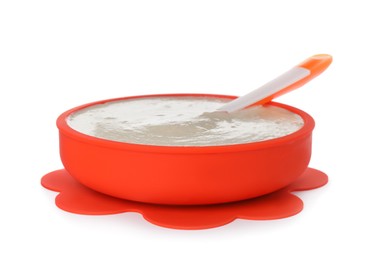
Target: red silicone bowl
185 175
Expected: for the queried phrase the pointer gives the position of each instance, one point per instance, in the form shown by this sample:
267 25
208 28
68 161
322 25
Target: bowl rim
66 130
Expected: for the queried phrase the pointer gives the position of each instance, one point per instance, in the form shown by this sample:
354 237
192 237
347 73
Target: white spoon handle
290 80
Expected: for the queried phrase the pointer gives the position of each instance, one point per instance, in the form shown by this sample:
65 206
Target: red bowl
185 175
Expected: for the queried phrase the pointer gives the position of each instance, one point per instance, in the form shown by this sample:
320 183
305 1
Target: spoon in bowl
290 80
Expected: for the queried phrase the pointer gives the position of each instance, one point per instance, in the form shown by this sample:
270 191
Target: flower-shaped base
77 198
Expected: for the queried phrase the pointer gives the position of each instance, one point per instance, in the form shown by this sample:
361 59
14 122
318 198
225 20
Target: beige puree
182 121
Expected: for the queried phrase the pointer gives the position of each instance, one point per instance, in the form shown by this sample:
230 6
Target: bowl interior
66 129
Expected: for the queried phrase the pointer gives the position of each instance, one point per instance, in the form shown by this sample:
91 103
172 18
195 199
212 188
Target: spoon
290 80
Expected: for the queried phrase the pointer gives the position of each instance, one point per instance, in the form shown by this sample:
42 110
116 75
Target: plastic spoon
290 80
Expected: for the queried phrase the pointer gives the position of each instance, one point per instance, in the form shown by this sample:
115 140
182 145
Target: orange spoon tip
317 63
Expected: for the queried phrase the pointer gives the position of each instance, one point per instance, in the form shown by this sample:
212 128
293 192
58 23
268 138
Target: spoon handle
290 80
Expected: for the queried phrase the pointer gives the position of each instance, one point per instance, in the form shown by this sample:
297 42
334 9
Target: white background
55 55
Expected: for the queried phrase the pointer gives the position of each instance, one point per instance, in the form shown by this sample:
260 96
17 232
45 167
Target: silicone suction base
76 198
